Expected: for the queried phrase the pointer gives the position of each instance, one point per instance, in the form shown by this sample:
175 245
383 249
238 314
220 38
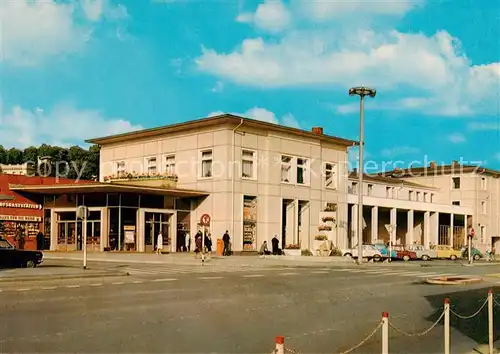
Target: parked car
10 257
369 251
403 253
476 254
447 252
384 251
422 252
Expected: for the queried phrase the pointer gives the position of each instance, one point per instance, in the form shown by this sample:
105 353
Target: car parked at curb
10 257
476 254
422 252
369 251
447 252
401 252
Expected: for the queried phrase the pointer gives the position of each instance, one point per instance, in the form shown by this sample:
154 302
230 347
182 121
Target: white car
369 251
422 252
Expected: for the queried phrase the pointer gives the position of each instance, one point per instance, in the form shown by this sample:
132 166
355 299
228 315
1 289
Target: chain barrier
473 315
291 351
418 334
367 338
496 302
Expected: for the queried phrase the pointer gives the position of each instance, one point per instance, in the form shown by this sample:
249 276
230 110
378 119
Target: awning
104 188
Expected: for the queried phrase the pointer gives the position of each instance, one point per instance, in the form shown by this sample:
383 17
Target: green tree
30 154
3 154
14 156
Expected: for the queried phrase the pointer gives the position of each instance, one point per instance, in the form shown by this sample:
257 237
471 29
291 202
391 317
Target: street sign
205 220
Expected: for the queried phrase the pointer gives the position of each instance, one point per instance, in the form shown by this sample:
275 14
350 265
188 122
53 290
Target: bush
336 252
306 253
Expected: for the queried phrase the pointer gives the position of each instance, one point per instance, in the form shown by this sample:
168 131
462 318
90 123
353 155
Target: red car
400 252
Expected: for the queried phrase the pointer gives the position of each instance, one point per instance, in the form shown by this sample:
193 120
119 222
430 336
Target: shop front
121 217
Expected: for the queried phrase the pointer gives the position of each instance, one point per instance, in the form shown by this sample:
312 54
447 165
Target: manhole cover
455 280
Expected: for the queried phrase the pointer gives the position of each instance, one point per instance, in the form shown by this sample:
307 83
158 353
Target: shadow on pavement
466 303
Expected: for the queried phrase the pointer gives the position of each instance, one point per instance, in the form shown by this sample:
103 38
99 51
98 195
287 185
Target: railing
384 325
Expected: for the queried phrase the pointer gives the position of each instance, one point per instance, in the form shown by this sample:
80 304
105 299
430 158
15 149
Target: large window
249 223
248 165
170 164
286 169
483 207
151 165
483 183
331 175
206 164
120 168
456 182
302 171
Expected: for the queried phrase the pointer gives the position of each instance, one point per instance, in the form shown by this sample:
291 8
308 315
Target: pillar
374 232
410 228
104 229
139 231
394 215
427 229
296 239
452 226
53 230
354 225
435 228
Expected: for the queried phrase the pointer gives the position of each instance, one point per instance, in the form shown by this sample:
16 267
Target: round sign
205 220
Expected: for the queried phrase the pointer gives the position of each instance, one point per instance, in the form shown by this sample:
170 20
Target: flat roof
436 170
228 119
98 187
389 180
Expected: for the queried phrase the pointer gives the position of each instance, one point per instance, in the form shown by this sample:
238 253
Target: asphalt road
172 309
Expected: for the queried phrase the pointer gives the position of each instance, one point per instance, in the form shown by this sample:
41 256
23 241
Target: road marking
410 274
208 278
72 286
394 273
118 283
253 276
160 280
23 289
319 272
444 275
355 270
289 273
49 287
95 284
137 282
427 275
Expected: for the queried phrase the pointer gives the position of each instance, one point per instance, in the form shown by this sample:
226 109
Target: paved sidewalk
52 273
188 259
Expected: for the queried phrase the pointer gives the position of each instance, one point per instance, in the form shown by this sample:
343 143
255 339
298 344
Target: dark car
403 253
10 257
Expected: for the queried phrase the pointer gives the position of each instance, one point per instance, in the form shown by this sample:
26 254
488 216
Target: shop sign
205 220
20 218
20 205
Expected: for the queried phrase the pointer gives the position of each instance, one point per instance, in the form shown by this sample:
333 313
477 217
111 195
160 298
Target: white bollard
280 345
446 326
385 333
490 321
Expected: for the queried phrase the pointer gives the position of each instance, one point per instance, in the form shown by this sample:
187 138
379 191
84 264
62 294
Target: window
370 189
120 167
483 207
456 202
483 234
354 188
410 195
456 182
248 165
286 169
170 164
432 198
388 192
483 183
206 164
418 197
302 171
330 176
151 165
426 197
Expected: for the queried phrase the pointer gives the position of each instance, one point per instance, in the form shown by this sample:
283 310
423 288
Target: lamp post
361 91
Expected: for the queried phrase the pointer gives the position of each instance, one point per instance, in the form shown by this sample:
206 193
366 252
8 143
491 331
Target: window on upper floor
426 197
410 195
248 164
331 175
418 197
169 166
389 192
370 190
206 163
431 199
483 207
483 183
286 169
455 202
302 171
456 182
354 188
151 165
120 168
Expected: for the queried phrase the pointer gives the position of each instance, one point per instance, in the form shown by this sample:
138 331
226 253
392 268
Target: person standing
198 242
226 239
40 239
159 243
208 243
275 245
20 238
187 242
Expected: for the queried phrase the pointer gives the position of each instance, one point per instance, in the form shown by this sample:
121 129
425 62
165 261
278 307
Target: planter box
147 182
292 252
321 245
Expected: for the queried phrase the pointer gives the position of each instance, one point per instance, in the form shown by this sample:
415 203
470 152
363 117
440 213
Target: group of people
264 250
202 241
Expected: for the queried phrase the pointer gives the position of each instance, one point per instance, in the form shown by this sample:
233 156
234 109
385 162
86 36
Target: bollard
446 326
385 333
280 345
490 321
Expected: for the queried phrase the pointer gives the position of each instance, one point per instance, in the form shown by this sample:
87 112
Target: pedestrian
264 250
226 239
275 245
20 238
40 239
208 243
159 243
187 242
198 244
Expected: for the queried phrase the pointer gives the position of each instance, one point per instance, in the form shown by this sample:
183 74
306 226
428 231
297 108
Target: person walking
198 244
40 239
208 243
226 239
187 242
275 245
20 238
159 243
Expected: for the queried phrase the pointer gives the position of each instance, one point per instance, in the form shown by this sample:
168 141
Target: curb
60 277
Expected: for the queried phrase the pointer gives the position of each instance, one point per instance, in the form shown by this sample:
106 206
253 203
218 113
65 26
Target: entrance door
93 235
156 222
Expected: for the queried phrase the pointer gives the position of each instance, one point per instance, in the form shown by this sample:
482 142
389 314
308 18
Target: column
374 232
104 229
410 228
427 229
452 226
435 228
139 231
53 230
394 215
354 225
296 222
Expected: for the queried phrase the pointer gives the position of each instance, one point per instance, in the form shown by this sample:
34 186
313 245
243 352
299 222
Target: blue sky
76 70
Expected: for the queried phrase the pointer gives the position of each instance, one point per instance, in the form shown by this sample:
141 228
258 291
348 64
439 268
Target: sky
74 70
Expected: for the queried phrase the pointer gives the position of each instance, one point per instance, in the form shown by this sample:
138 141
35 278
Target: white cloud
264 115
272 16
399 151
442 79
64 125
219 87
457 138
33 30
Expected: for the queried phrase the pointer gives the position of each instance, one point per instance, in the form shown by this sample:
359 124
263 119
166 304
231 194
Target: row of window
392 193
456 183
294 170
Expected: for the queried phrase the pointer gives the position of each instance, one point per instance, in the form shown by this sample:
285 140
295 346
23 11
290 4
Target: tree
14 156
3 154
30 154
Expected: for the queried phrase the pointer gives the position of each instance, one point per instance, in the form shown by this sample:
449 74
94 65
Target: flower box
155 180
328 218
324 228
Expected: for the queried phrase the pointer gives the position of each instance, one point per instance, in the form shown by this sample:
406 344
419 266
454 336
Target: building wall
227 212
